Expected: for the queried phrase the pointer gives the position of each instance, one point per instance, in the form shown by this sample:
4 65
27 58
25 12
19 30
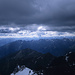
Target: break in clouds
37 18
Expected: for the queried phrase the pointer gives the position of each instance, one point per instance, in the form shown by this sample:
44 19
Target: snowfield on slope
26 71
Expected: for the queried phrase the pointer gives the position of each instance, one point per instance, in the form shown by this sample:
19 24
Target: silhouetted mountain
50 65
56 47
30 58
64 65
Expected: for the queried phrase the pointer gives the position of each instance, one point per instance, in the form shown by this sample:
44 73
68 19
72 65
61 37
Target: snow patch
70 52
66 58
26 71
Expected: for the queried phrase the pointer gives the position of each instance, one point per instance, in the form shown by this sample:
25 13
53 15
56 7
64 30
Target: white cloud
36 34
8 29
41 28
33 31
14 29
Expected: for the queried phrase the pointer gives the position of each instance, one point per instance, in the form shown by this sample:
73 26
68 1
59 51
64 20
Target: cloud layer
41 32
54 15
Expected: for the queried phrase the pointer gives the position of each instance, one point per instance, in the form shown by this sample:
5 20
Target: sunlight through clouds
41 28
33 31
36 34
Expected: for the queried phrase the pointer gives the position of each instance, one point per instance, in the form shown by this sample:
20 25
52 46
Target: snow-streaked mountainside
38 63
63 65
56 47
31 58
25 71
69 57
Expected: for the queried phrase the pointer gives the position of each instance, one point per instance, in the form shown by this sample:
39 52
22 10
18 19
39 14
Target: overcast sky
56 17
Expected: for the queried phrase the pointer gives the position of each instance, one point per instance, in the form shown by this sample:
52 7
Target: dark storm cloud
58 12
16 11
46 12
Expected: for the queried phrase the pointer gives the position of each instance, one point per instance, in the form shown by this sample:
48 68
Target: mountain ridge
31 58
57 47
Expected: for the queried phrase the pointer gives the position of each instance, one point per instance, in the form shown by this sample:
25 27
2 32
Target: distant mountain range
57 47
38 62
